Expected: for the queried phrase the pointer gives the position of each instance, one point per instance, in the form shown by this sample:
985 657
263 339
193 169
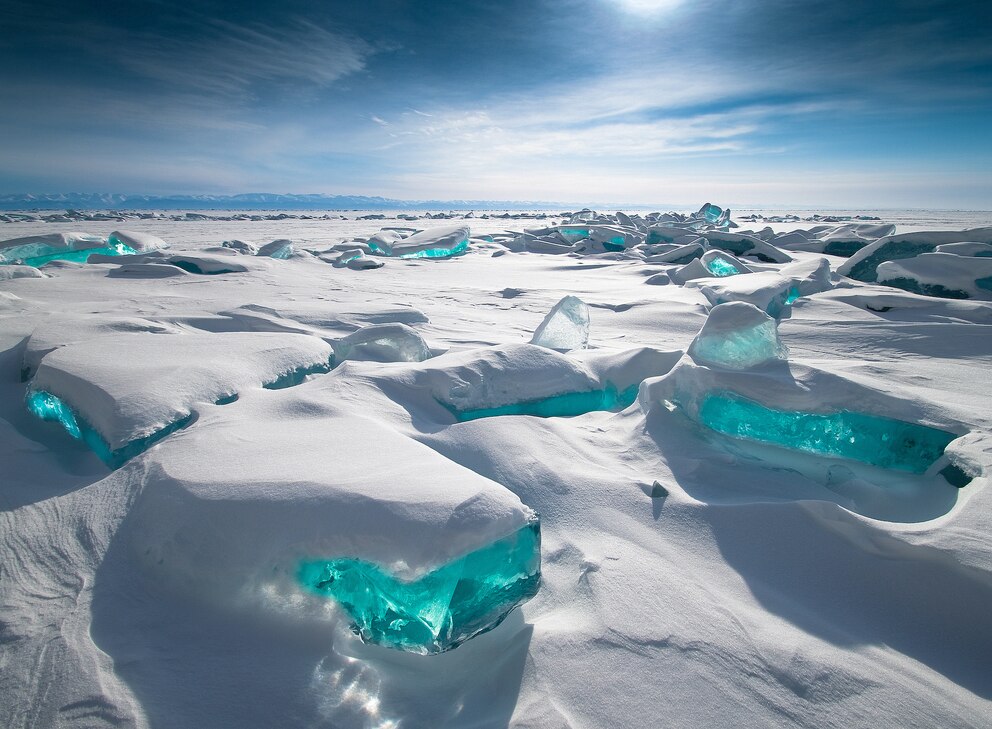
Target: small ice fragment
737 336
658 491
281 248
565 327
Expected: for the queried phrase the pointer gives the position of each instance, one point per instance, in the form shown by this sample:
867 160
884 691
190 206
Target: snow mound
280 249
382 343
136 241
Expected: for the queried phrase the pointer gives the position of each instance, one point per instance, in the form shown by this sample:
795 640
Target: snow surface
688 578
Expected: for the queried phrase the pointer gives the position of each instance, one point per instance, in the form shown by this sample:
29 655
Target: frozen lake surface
252 491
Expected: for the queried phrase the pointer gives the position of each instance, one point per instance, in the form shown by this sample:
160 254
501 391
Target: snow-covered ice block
741 244
146 270
13 270
863 264
243 247
281 249
441 242
130 388
36 250
940 274
209 265
419 553
680 255
771 291
565 327
712 264
382 343
737 336
134 241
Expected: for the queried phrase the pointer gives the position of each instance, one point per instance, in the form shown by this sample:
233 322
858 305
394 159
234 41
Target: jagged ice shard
737 336
565 327
442 609
871 439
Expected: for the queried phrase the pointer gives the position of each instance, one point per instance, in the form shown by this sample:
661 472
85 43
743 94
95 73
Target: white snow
768 588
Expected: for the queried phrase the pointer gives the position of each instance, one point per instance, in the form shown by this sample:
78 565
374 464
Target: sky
748 102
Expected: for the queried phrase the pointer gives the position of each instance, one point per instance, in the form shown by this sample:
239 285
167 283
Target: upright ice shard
442 609
565 327
737 336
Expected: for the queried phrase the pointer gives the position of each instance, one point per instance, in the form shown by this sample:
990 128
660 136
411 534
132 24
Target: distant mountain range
256 201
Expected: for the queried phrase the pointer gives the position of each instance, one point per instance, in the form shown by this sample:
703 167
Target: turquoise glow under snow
870 439
427 253
567 405
79 256
297 376
721 267
50 407
442 609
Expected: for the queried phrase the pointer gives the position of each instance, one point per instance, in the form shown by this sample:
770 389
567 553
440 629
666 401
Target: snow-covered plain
687 578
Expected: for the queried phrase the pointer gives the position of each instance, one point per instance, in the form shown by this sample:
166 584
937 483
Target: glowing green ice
47 406
79 256
427 253
722 267
558 406
870 439
443 608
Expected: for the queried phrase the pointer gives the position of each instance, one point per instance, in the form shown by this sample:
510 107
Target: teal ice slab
878 441
443 608
427 253
47 406
80 256
566 405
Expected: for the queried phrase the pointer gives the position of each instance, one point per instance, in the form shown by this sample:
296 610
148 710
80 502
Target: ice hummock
863 265
565 327
737 336
279 249
441 609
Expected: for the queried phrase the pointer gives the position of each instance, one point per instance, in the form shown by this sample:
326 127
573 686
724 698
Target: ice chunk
737 336
863 265
248 249
205 264
442 609
441 242
714 215
870 439
14 270
383 343
34 250
136 242
355 259
281 249
679 255
940 274
711 264
771 291
565 327
128 388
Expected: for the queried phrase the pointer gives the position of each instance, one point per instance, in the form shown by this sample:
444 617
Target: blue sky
797 103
